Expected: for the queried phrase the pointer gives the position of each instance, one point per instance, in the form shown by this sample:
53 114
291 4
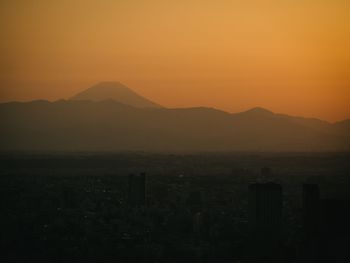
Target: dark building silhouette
265 220
334 231
265 206
326 227
265 171
137 190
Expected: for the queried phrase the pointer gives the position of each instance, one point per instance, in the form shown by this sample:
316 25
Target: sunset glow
288 56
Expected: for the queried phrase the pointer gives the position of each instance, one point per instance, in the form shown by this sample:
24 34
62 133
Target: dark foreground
193 208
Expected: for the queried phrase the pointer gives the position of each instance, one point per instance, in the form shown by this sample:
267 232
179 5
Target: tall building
334 231
335 216
137 190
265 206
265 171
265 220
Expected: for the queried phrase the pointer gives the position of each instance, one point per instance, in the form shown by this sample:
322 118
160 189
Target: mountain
115 91
108 125
343 127
257 111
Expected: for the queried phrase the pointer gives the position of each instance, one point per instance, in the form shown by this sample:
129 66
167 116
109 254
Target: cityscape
242 214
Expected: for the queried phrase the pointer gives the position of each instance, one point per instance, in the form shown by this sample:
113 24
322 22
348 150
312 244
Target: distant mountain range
111 117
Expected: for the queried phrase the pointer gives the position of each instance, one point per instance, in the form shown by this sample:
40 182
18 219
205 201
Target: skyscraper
265 207
265 220
334 231
265 172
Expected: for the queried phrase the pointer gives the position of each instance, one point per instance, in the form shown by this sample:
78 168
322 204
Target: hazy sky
288 56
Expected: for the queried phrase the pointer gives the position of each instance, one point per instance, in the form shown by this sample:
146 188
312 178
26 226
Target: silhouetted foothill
82 125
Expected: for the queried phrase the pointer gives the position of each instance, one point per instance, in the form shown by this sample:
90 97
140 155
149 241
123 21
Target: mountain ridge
110 125
111 116
250 111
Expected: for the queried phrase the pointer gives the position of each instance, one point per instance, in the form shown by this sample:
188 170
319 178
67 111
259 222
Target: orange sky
288 56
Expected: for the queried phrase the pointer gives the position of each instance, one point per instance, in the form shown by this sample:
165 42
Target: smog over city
175 131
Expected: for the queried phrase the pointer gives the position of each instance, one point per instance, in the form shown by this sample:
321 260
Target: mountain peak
259 110
109 84
114 90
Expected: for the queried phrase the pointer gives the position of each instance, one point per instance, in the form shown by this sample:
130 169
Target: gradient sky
288 56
